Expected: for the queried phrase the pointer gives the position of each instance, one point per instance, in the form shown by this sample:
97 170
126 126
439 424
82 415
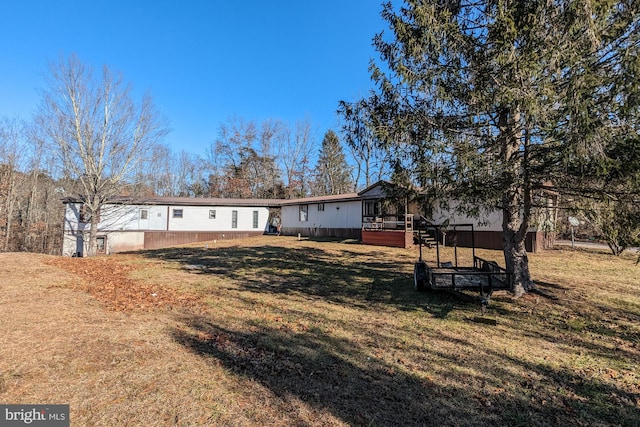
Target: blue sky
202 61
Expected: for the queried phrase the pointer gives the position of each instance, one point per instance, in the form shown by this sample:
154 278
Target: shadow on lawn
340 376
334 374
351 278
325 372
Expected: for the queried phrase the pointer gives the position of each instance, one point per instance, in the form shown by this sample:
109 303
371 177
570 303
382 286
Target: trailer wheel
419 276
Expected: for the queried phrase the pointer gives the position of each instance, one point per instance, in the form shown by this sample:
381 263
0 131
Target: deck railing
388 223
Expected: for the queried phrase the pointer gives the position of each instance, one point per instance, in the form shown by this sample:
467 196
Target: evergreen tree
494 99
333 175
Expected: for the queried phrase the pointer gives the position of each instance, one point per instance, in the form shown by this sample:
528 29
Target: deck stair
427 239
422 232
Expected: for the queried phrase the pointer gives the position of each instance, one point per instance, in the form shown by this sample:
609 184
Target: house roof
186 201
217 201
321 199
374 185
361 195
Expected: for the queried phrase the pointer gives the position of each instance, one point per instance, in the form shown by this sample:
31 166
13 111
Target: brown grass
276 331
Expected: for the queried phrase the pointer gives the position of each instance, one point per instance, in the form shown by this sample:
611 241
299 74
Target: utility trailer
483 276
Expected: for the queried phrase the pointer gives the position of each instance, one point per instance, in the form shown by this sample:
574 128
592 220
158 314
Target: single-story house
373 217
487 229
323 216
131 224
348 215
366 216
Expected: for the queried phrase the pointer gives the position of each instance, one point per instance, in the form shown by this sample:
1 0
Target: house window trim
101 249
144 214
303 209
376 208
176 215
234 219
212 214
256 219
320 207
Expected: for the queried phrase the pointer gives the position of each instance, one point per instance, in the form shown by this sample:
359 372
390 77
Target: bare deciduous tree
10 158
359 130
294 156
241 162
97 130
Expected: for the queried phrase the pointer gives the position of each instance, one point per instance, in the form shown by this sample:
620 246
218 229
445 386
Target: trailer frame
484 276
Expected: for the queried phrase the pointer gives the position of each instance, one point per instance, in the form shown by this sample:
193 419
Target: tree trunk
516 203
516 260
93 209
93 236
11 200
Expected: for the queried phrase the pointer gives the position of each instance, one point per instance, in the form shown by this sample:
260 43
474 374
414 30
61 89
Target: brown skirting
534 241
342 233
164 239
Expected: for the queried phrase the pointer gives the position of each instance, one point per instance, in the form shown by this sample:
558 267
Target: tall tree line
274 160
30 208
91 138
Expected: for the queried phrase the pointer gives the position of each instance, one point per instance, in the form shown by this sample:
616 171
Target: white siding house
370 216
128 224
374 218
491 221
488 226
335 216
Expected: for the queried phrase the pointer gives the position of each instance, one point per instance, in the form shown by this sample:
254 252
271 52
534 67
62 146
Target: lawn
281 331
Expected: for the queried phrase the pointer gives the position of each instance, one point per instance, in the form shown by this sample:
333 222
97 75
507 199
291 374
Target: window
177 213
303 213
255 219
234 219
144 214
372 208
101 244
320 207
212 214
